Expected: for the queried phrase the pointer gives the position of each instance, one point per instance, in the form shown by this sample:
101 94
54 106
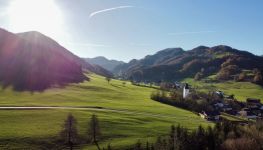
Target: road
88 108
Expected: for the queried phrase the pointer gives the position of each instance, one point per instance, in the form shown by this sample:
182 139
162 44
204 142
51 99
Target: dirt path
87 108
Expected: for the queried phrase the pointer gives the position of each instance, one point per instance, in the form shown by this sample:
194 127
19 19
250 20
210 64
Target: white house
211 116
186 91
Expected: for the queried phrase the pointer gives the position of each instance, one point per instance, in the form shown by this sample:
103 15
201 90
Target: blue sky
127 29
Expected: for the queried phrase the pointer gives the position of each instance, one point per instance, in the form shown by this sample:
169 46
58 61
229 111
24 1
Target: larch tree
94 131
69 132
108 79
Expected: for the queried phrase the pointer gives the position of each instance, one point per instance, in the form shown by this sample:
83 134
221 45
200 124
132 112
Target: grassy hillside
241 90
135 116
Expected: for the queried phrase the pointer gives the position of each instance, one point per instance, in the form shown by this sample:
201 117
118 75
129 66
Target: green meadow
241 90
126 114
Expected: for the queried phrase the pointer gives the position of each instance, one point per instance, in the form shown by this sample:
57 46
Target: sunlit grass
33 128
241 90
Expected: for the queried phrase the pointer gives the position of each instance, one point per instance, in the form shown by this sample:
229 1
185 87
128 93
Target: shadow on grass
21 86
117 86
51 143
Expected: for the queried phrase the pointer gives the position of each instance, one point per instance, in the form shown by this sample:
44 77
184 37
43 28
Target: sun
38 15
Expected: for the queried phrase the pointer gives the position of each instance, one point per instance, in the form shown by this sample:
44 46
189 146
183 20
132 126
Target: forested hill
175 63
33 61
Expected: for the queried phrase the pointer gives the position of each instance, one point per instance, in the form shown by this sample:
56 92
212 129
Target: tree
94 131
138 145
242 76
240 144
108 79
69 133
123 83
200 138
164 86
148 146
255 70
109 147
198 76
211 139
227 72
172 138
258 78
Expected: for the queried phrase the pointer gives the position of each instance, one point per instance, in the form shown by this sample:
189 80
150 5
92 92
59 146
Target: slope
138 116
35 62
176 64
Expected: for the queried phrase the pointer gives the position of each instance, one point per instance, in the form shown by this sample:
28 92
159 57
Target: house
257 111
232 112
219 105
210 115
186 91
227 107
178 85
247 114
253 103
220 94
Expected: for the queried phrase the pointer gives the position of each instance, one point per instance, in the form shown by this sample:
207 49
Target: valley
126 114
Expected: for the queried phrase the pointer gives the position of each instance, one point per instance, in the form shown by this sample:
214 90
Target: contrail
108 9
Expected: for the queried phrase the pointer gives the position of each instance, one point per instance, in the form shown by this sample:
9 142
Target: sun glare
40 15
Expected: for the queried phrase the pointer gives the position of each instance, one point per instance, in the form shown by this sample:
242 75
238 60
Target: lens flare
40 15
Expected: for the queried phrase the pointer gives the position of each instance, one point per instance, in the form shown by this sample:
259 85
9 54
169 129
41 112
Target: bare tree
108 79
69 133
123 83
94 131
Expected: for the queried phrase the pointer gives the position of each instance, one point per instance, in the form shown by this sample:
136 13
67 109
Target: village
221 105
251 109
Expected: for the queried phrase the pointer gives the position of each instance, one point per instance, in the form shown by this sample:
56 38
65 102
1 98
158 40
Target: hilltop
174 64
33 61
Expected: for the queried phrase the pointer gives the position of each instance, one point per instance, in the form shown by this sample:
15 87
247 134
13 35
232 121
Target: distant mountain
159 58
104 62
33 61
174 63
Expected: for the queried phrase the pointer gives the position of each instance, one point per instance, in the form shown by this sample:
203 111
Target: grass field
139 118
241 90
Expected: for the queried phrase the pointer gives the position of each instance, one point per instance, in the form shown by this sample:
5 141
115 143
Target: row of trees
223 136
196 101
69 134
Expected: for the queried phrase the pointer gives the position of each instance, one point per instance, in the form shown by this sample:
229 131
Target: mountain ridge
175 63
102 61
33 61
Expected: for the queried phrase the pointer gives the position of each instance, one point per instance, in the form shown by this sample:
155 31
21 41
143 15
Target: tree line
223 136
196 101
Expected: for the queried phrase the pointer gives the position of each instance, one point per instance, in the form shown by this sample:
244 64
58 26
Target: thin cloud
195 32
108 9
